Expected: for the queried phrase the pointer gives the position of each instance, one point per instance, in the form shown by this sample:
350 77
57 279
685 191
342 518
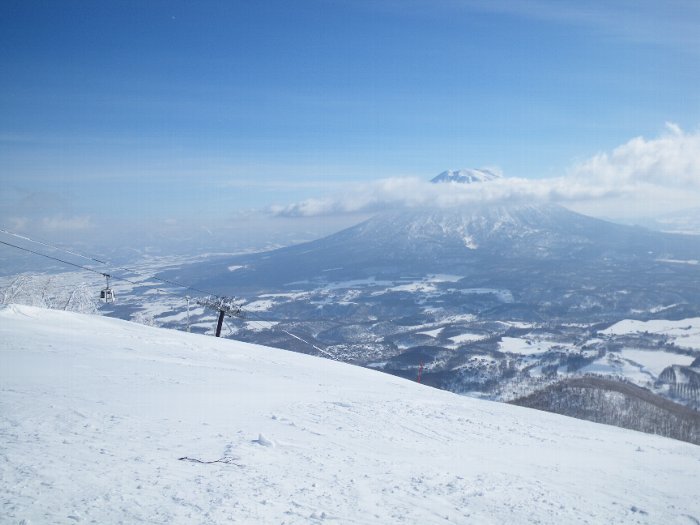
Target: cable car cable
44 243
241 308
103 274
106 263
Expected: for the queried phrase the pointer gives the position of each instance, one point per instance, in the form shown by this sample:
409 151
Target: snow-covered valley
105 421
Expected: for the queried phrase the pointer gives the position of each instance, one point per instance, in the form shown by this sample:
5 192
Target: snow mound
106 421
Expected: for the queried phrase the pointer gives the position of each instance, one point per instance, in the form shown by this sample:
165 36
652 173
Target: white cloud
62 223
672 160
642 176
413 192
18 223
651 176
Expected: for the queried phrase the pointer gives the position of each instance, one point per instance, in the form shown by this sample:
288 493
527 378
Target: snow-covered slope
529 230
96 415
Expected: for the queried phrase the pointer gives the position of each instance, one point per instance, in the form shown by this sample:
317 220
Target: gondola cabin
107 294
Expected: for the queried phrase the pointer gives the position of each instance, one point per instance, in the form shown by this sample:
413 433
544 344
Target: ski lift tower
223 305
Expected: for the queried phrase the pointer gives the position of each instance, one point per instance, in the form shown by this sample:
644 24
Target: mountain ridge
451 240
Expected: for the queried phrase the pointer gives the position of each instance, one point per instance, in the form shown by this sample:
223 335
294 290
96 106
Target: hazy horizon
239 125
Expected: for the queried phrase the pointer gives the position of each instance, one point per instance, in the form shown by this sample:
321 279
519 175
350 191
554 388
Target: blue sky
163 113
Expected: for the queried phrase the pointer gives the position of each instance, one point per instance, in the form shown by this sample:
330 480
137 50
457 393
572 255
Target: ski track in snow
95 414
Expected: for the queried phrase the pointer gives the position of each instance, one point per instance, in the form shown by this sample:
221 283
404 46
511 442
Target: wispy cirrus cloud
640 175
670 23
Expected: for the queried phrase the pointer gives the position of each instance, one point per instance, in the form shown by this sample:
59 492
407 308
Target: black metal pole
221 321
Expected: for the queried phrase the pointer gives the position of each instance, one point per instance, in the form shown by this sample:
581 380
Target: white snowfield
96 414
684 333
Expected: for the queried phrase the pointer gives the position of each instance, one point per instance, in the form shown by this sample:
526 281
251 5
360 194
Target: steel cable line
97 271
81 266
106 263
249 313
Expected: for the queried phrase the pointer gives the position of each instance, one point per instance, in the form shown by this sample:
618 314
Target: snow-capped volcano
540 253
517 229
459 241
466 176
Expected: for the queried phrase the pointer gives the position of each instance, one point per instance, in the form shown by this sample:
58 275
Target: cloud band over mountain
655 174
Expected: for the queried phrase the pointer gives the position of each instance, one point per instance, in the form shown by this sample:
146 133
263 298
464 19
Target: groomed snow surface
95 414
